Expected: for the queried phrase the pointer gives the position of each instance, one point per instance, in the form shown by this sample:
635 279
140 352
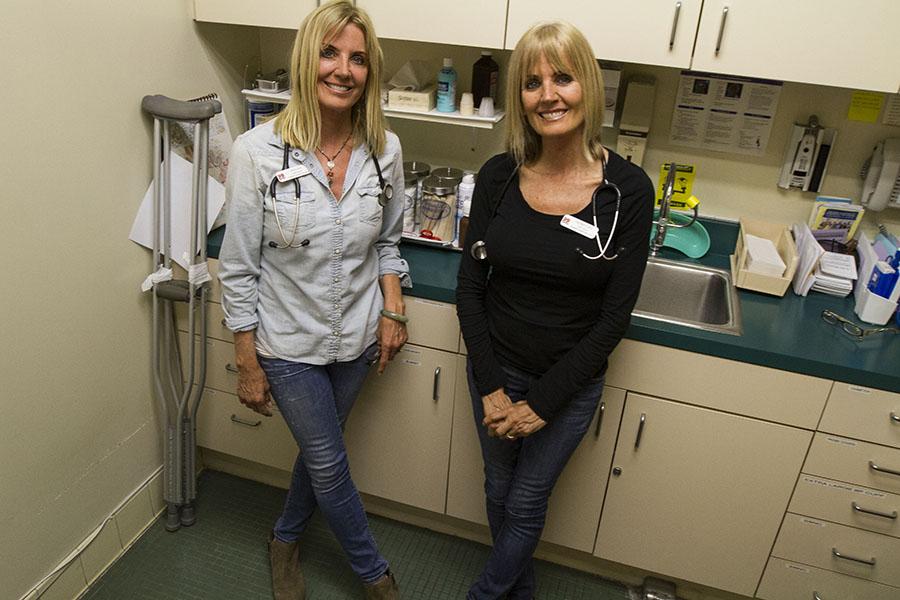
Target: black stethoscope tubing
478 250
385 195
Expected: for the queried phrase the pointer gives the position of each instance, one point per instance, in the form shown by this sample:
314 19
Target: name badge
578 226
291 173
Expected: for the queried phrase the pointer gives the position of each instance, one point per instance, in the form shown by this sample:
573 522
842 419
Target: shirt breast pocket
290 213
370 212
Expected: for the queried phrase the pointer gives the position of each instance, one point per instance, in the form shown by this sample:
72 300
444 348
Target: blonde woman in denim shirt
311 276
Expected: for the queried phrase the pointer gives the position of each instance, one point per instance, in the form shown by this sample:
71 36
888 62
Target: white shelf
433 116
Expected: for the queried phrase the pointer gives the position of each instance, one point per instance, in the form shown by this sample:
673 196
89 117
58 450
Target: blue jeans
315 401
518 478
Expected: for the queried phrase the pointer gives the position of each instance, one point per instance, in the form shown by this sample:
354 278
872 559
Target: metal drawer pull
721 30
895 417
231 368
858 508
816 595
870 562
437 384
240 421
674 25
637 441
875 467
223 322
600 412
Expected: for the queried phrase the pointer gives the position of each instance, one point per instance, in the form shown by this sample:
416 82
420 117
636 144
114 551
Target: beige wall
78 430
728 185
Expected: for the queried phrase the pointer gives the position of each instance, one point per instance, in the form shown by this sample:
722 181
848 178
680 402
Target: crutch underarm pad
163 107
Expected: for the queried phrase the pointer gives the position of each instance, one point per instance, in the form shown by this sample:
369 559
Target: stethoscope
479 248
385 195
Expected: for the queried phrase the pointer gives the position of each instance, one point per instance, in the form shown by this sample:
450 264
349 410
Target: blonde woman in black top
555 253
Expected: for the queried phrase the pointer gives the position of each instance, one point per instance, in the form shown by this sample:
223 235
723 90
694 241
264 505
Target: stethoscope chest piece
478 250
386 195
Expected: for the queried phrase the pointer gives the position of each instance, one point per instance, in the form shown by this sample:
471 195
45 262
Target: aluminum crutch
177 392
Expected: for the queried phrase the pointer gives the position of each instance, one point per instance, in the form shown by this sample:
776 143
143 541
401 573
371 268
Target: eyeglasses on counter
853 329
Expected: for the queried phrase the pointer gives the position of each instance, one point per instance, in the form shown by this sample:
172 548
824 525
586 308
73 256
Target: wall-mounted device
637 113
882 176
807 155
273 82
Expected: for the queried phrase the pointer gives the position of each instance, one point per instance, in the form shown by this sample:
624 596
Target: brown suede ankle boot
385 588
287 579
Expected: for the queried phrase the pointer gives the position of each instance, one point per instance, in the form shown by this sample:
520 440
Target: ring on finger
510 436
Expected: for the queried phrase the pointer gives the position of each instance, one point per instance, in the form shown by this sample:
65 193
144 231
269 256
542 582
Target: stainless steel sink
689 295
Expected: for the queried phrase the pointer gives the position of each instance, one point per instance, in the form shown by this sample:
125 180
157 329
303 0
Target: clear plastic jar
438 209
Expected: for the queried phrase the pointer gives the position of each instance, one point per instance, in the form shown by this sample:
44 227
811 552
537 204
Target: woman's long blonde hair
567 50
300 123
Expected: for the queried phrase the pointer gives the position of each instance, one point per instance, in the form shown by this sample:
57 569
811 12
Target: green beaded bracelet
394 316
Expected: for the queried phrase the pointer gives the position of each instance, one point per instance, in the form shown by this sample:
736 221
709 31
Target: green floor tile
223 557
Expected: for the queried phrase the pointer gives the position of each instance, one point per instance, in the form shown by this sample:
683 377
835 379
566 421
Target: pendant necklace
329 160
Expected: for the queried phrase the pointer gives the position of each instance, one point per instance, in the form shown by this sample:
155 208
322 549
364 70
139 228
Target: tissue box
784 243
405 99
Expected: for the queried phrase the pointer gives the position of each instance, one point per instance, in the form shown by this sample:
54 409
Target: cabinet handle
895 418
875 467
240 421
674 26
721 30
870 562
637 441
437 384
858 508
223 323
231 368
600 412
816 595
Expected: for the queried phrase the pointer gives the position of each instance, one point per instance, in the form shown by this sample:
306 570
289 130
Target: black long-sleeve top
537 304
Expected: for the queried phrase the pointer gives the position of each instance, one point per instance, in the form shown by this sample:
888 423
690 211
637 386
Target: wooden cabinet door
398 433
284 14
825 42
653 32
574 509
698 494
462 23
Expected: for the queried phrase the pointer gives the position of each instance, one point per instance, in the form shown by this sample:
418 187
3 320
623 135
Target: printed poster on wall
724 113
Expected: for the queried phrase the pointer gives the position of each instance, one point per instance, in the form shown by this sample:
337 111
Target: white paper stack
835 274
762 257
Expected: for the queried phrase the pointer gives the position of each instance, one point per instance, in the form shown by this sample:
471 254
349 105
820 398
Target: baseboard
105 544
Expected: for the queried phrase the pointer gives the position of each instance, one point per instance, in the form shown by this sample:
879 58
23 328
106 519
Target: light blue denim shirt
320 303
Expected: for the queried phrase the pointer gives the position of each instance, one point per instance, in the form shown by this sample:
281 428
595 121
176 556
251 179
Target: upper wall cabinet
828 42
286 14
653 32
462 22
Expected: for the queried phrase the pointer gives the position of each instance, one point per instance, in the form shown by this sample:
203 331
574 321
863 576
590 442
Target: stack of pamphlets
835 218
835 274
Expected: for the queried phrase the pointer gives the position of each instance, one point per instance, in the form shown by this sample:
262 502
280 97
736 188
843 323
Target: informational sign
892 110
724 113
684 182
865 106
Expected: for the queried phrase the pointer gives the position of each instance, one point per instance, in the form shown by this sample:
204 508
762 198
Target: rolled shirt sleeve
387 246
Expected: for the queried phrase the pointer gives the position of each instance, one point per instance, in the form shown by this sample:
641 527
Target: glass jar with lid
438 209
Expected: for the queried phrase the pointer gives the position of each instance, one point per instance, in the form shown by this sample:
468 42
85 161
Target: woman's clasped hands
507 419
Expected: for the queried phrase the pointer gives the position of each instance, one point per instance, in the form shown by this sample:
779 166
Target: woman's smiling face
552 101
343 70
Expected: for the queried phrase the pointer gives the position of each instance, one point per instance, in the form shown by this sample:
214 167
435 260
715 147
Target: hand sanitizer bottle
446 87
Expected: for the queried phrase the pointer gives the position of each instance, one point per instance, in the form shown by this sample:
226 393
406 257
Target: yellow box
405 99
787 250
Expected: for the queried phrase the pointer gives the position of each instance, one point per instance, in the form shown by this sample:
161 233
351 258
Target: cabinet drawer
432 324
863 413
215 321
221 374
786 580
817 543
855 462
847 504
712 382
225 425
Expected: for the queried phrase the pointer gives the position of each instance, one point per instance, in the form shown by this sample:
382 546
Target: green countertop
784 333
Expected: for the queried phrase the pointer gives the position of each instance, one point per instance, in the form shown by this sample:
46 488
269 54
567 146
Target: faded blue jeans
315 401
519 476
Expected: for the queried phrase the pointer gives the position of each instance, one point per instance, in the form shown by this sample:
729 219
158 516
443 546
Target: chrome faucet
662 222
